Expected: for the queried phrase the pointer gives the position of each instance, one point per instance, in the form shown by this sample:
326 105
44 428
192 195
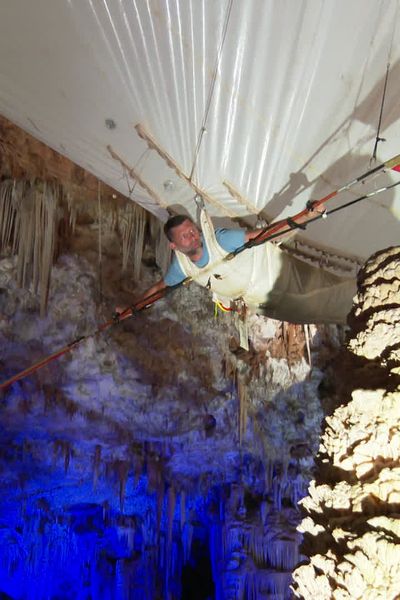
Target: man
266 279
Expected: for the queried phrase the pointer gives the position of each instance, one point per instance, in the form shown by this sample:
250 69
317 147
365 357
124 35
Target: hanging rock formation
352 527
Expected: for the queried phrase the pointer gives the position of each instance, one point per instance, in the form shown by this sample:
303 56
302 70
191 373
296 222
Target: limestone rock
352 525
376 314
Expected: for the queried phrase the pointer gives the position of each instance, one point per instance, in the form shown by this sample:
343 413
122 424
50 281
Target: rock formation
352 527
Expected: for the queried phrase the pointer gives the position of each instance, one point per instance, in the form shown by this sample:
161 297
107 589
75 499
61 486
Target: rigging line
378 138
212 88
125 176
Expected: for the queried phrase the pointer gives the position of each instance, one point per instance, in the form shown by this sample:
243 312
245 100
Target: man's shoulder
174 274
230 239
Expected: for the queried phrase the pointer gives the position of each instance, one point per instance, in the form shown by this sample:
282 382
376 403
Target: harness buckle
199 201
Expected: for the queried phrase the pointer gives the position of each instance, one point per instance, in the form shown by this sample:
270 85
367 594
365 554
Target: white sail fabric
297 92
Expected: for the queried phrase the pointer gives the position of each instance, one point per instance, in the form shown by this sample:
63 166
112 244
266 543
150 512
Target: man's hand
125 312
312 212
121 313
315 209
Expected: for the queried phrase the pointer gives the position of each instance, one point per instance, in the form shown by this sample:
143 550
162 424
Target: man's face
186 238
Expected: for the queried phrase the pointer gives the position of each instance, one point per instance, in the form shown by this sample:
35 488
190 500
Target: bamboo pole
153 145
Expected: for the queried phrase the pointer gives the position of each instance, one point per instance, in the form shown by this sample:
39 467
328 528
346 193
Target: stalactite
28 214
72 211
171 512
229 367
186 537
122 468
63 448
182 500
250 587
67 455
160 504
269 473
8 214
243 402
138 462
38 214
132 224
120 581
154 471
162 248
96 464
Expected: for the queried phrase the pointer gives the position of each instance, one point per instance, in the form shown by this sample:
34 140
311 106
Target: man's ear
172 245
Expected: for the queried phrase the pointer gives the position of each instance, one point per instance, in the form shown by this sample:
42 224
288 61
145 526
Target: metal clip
199 201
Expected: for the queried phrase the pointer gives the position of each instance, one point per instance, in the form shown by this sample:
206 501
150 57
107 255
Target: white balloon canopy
280 101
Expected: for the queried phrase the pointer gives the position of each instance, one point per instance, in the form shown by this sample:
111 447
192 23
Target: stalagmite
351 528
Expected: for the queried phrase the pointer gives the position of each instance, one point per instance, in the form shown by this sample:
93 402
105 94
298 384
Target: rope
378 138
212 88
125 174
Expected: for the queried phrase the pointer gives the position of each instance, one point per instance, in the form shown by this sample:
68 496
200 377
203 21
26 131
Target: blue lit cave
105 516
157 459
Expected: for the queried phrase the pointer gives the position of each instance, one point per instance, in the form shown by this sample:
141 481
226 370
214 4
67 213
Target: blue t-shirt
228 239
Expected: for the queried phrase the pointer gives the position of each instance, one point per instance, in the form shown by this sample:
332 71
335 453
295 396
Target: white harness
231 279
271 281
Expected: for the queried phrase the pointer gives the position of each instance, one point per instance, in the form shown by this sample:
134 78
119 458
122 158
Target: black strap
294 225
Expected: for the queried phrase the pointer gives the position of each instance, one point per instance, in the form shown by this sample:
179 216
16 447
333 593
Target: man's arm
311 214
141 301
157 287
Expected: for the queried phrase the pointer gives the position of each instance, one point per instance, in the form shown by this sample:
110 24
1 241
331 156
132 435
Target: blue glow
121 531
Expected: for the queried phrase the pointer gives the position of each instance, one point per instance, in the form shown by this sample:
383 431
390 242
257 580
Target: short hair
174 221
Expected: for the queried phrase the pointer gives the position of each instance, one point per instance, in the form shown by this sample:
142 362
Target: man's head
183 235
